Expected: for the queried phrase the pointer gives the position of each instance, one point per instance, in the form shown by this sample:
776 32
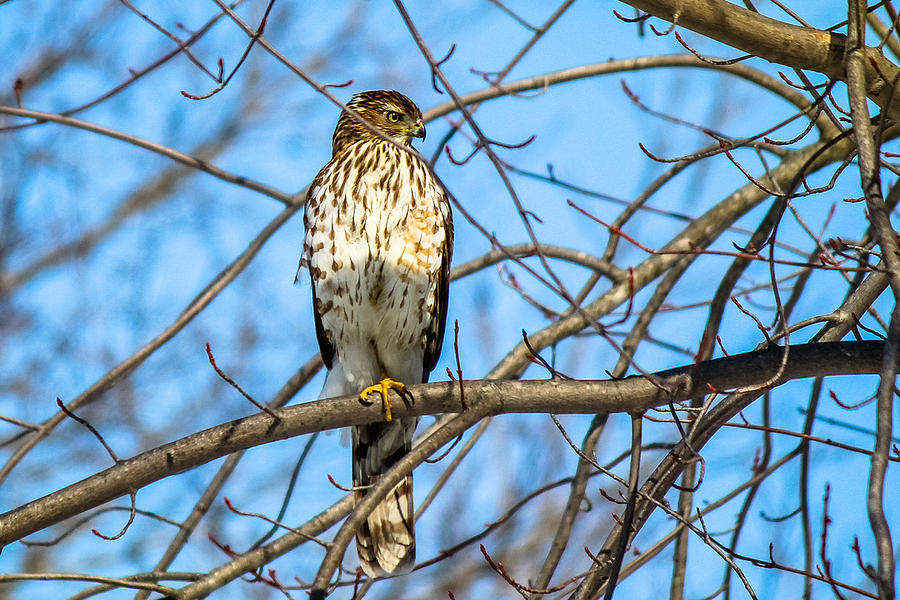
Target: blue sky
70 324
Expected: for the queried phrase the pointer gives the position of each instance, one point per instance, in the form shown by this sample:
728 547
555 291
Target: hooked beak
419 130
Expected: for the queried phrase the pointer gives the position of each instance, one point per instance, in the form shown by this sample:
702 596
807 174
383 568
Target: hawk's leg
383 387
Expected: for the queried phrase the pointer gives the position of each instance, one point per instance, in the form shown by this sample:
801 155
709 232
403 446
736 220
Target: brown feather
379 239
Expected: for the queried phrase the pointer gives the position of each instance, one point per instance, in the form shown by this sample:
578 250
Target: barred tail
386 540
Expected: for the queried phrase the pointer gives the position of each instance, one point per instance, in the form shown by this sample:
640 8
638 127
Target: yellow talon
383 387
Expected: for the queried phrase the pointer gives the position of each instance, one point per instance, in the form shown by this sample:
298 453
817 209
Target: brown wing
434 336
326 348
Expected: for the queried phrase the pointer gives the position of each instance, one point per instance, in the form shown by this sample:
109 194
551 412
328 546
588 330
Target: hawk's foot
383 387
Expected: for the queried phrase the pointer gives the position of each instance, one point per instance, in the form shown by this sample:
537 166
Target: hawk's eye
392 116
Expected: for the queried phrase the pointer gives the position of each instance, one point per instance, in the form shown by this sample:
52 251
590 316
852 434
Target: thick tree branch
632 394
778 42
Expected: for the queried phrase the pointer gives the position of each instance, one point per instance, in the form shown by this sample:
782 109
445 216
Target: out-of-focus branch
141 581
632 394
135 74
248 561
886 34
203 504
155 190
54 58
779 42
190 161
114 375
573 506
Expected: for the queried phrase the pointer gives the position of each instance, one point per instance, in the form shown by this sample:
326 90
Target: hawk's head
389 112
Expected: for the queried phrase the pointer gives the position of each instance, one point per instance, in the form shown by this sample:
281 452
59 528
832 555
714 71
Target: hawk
379 238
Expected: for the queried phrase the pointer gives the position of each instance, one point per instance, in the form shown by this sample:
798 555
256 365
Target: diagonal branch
632 394
185 159
485 398
124 368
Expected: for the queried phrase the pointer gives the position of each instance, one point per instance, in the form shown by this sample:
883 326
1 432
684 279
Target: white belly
374 251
